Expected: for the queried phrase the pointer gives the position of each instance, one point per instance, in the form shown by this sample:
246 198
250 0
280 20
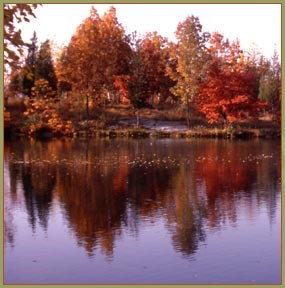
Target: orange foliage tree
42 111
97 52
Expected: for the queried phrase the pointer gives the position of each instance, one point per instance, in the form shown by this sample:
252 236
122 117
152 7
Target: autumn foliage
102 65
121 84
228 91
42 112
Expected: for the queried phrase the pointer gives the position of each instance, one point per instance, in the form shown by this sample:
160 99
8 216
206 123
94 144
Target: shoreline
153 124
136 133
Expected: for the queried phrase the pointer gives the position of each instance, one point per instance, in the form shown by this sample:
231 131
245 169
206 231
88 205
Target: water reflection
108 187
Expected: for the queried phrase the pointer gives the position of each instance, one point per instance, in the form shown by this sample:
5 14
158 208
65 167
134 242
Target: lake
154 211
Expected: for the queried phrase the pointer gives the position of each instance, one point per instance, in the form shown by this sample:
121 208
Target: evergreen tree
44 65
28 72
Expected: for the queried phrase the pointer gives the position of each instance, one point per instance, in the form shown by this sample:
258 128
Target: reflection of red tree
94 212
224 176
120 178
95 197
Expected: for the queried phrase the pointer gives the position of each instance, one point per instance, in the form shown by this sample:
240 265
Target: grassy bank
119 123
235 133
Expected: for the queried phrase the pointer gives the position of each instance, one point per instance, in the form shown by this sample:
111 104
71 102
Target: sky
255 25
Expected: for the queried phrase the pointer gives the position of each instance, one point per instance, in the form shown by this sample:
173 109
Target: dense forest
104 74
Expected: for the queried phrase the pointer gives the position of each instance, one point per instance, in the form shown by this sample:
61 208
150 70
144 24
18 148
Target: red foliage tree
229 90
121 84
147 80
155 56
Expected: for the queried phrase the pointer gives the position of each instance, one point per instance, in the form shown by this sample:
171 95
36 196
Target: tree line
202 72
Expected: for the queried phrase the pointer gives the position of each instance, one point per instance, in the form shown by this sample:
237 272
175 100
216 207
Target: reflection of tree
106 187
37 177
229 171
189 213
100 183
94 209
147 188
13 151
9 227
38 184
223 177
268 171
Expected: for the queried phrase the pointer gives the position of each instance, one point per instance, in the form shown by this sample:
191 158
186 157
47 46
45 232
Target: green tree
44 68
270 84
28 73
64 83
191 56
38 65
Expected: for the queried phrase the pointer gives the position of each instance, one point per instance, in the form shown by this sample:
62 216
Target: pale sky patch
255 25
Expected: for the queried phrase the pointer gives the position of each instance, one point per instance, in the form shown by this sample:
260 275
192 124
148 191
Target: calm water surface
142 211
